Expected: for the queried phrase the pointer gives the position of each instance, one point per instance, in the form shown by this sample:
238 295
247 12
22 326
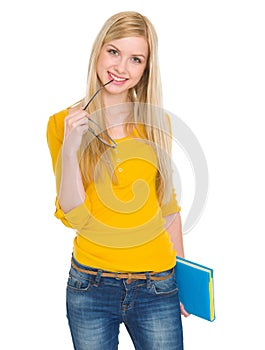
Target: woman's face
124 61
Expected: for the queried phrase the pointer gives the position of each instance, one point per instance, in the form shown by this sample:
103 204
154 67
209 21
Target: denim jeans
149 309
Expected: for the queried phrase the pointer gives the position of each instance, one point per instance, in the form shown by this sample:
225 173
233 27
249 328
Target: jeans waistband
121 275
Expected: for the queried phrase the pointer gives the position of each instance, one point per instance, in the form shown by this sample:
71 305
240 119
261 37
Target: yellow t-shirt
120 226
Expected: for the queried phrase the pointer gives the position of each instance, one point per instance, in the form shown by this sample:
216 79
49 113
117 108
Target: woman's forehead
136 44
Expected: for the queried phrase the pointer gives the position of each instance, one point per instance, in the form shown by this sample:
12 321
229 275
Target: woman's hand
183 311
75 125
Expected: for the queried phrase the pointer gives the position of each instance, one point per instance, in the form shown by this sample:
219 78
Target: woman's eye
113 52
136 60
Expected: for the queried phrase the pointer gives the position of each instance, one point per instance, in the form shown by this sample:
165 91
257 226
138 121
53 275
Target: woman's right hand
75 125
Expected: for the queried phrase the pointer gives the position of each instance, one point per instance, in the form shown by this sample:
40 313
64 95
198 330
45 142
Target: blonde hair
146 97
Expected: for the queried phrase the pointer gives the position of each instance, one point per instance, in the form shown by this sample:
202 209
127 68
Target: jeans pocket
78 281
165 287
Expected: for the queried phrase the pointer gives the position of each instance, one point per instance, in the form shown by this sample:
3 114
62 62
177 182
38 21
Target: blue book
195 284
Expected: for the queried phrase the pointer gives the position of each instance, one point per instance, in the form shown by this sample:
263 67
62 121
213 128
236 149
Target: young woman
111 158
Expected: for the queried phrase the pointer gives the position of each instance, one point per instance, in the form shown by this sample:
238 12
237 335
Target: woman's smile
117 79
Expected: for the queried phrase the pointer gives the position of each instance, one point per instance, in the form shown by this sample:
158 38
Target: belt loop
148 280
98 277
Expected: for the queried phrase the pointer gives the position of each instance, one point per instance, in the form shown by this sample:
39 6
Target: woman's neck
117 108
118 111
114 99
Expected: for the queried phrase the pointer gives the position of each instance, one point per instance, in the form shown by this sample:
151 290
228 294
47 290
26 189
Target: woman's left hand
183 311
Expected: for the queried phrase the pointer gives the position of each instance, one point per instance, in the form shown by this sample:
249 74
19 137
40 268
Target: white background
212 63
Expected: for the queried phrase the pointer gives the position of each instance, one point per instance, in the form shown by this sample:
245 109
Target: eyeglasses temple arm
88 103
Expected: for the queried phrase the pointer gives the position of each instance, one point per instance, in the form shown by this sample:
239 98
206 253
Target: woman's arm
173 226
72 193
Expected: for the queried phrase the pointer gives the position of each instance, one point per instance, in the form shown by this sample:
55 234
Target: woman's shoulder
56 121
59 116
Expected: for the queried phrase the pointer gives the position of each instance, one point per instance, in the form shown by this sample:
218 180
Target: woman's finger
76 115
183 311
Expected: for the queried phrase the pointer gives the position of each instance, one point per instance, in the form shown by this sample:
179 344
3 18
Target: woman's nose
121 66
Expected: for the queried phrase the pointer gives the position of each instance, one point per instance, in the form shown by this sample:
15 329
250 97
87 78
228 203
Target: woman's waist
155 255
122 233
132 275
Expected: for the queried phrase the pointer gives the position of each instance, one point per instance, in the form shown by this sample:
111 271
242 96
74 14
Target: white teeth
116 78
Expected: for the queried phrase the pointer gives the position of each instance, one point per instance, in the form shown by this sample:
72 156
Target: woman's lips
117 79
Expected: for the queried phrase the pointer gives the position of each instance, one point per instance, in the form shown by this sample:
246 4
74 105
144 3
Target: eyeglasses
100 134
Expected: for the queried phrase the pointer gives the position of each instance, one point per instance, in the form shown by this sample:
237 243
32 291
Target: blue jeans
149 309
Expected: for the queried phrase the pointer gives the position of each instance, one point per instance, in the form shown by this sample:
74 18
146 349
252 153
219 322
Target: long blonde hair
146 97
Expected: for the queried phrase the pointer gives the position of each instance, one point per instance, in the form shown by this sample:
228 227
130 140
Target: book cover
196 292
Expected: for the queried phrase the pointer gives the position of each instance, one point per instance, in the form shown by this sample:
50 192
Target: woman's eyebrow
113 47
134 55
